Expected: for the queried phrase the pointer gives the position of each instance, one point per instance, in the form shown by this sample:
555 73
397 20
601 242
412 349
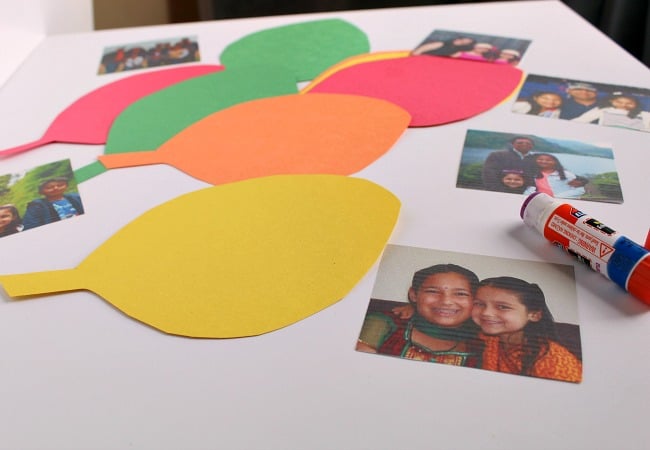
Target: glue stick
590 241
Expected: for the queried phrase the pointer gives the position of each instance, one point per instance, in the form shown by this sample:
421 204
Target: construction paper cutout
89 171
435 90
352 61
149 122
315 133
306 49
255 256
87 120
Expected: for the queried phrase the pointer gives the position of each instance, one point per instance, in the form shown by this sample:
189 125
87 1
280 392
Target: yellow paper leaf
238 259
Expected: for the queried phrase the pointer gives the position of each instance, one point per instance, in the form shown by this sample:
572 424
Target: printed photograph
504 315
523 164
585 102
141 55
477 47
39 196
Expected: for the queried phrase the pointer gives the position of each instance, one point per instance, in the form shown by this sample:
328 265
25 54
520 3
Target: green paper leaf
306 49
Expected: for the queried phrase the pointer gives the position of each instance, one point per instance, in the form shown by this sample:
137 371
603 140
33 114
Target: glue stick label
586 238
616 257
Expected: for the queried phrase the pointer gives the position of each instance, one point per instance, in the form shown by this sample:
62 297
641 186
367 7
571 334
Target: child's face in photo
549 101
444 299
178 52
545 162
6 217
482 47
507 55
54 189
512 180
625 103
500 312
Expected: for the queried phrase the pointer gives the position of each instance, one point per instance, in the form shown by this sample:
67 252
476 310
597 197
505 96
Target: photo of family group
141 55
516 317
40 196
585 102
523 164
476 47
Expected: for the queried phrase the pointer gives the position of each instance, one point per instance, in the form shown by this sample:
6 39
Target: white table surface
75 373
24 25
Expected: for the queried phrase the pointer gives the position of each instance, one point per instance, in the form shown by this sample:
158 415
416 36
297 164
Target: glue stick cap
526 202
536 209
639 282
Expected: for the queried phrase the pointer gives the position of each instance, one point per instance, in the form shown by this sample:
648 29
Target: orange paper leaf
291 134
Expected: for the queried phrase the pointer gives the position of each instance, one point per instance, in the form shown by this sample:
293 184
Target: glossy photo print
40 196
585 102
474 47
523 164
141 55
503 315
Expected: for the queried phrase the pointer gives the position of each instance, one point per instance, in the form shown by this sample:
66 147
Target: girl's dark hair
17 221
449 48
423 274
558 166
536 334
535 108
491 54
607 101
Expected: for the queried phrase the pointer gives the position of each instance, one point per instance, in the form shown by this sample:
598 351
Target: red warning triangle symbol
605 250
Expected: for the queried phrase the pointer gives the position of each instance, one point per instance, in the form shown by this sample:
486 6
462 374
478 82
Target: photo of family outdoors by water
523 164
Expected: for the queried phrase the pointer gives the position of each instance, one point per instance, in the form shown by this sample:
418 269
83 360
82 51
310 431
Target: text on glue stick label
587 247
